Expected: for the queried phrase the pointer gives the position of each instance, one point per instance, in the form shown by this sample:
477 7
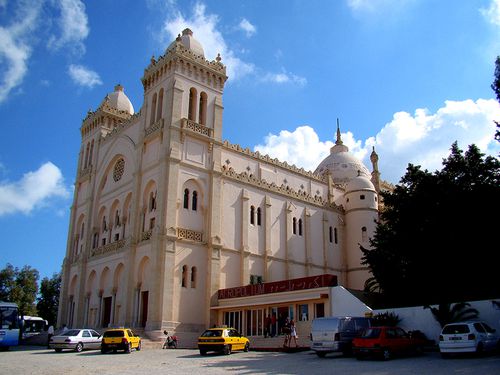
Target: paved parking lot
35 360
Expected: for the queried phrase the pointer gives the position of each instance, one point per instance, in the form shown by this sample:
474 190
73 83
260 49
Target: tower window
203 109
184 276
330 234
252 215
300 227
259 220
192 104
294 226
194 206
362 197
363 234
193 277
159 109
153 110
186 198
335 235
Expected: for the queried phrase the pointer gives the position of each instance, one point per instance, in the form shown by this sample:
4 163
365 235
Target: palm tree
460 312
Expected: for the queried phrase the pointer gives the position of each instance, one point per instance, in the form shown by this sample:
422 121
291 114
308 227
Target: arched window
87 156
152 201
252 215
335 235
159 111
203 109
95 241
117 218
184 276
259 220
186 199
104 225
363 234
153 110
194 205
300 227
294 226
91 152
193 277
192 104
330 234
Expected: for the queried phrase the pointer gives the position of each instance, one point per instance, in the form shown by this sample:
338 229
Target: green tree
7 282
435 241
496 88
20 286
48 300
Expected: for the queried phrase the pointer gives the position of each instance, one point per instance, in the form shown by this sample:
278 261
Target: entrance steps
261 343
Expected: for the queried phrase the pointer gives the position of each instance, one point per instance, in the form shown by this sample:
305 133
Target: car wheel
139 347
321 354
58 350
247 347
203 352
104 350
79 347
227 349
128 349
386 354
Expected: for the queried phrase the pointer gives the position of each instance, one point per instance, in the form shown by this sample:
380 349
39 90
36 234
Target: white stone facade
166 213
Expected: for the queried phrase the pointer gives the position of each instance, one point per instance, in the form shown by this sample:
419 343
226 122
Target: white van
335 334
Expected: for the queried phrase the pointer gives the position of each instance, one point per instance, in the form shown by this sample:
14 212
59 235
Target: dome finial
338 141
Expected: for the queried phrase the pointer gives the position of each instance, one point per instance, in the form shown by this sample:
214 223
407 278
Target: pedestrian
293 334
267 326
286 332
64 329
50 333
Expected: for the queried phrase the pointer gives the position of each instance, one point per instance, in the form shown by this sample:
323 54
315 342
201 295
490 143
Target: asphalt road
36 360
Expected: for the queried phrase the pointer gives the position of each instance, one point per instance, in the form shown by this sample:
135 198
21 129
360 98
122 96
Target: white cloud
33 190
492 13
421 139
377 6
15 47
73 25
84 76
283 77
247 27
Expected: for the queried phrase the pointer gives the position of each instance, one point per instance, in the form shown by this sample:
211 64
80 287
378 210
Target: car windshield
371 333
212 333
113 334
71 332
455 329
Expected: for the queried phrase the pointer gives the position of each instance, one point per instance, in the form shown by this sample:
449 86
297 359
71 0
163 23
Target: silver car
76 339
467 337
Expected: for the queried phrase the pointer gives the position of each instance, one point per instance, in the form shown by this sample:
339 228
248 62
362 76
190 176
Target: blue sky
409 77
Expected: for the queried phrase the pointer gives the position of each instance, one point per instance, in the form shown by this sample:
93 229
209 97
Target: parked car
467 337
335 334
120 339
223 340
76 339
385 342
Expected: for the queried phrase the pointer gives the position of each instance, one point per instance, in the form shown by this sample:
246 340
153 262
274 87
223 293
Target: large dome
342 165
117 99
189 42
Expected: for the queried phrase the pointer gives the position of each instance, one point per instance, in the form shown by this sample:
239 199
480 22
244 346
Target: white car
467 337
76 339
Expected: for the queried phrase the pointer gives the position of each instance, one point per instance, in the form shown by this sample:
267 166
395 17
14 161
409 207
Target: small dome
360 183
117 99
189 42
342 165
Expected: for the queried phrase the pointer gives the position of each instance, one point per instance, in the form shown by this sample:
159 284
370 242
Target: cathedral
174 228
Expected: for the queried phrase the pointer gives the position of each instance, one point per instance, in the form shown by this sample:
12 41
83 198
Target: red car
386 342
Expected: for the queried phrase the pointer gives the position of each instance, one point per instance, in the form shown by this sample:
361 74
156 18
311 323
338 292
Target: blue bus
9 325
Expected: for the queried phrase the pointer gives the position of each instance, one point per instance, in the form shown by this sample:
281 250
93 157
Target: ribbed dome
117 99
343 166
189 42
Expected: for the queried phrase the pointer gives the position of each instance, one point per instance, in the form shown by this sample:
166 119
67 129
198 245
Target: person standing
50 333
267 326
273 325
293 334
286 332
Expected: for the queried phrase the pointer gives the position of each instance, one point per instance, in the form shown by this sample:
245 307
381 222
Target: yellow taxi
120 339
223 340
